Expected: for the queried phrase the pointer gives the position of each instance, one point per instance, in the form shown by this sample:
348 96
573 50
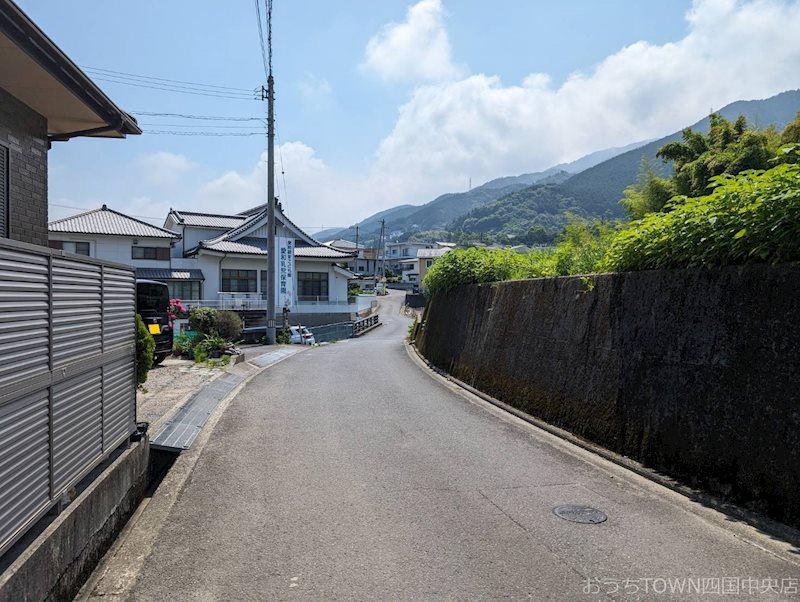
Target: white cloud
316 91
163 167
416 49
312 193
478 127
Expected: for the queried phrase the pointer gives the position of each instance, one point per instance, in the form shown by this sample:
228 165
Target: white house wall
117 248
211 266
192 237
337 284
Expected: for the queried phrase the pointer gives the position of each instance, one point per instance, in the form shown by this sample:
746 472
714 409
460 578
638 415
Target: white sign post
284 273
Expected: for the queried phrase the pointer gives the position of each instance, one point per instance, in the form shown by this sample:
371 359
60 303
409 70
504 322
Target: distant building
420 265
399 255
366 263
219 260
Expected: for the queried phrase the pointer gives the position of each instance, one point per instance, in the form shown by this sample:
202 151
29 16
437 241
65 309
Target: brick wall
24 132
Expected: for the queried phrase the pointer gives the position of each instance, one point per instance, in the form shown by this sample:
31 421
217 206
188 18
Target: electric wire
261 38
203 117
93 208
163 79
198 125
179 133
120 79
177 91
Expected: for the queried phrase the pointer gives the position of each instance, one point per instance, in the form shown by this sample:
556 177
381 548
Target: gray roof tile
209 220
108 221
258 246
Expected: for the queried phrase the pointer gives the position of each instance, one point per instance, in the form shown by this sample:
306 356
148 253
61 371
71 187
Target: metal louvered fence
67 375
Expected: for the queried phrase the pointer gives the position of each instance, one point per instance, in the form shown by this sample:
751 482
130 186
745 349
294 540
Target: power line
205 117
198 125
163 79
179 91
261 38
93 208
269 34
177 133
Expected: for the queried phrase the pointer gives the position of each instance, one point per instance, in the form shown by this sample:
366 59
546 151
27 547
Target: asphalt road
349 473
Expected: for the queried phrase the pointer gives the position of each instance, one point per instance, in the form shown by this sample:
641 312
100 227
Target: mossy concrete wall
692 372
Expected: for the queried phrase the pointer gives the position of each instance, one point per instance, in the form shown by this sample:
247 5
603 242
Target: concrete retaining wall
692 372
55 564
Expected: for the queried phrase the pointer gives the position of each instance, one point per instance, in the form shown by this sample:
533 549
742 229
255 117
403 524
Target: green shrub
181 344
211 344
751 217
471 266
145 348
202 319
284 337
580 249
228 325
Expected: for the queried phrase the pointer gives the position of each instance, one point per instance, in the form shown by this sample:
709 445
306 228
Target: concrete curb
760 530
128 554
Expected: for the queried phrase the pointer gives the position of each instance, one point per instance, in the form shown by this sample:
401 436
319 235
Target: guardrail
366 324
67 375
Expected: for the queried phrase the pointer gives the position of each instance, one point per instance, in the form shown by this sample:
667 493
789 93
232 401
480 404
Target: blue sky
381 103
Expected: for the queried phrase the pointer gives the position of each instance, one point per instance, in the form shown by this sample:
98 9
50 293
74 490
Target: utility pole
270 92
270 210
357 253
383 248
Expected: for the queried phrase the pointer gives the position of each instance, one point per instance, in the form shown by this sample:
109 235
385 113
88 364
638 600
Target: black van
152 303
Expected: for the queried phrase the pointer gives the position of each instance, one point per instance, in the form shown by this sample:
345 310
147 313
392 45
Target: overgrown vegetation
145 348
734 198
580 247
754 216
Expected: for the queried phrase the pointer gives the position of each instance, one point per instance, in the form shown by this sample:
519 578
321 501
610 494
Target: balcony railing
256 302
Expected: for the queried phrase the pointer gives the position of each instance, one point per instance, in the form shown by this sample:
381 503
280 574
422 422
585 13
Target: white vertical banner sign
284 273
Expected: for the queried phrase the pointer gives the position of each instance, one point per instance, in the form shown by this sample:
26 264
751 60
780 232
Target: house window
239 281
184 289
428 263
157 253
3 191
312 286
79 248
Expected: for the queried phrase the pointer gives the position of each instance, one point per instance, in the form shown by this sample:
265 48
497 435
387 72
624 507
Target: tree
649 194
727 148
791 133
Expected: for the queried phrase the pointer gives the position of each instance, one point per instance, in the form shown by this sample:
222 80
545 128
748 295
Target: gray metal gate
67 375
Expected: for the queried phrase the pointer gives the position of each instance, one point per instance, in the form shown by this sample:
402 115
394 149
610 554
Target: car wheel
158 358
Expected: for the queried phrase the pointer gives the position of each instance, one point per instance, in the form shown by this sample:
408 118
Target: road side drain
580 514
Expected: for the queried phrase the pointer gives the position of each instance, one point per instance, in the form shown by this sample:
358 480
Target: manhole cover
580 514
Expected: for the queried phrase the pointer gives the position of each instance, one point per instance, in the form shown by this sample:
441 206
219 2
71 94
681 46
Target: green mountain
596 191
439 212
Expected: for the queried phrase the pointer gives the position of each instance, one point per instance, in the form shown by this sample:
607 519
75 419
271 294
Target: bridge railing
366 324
